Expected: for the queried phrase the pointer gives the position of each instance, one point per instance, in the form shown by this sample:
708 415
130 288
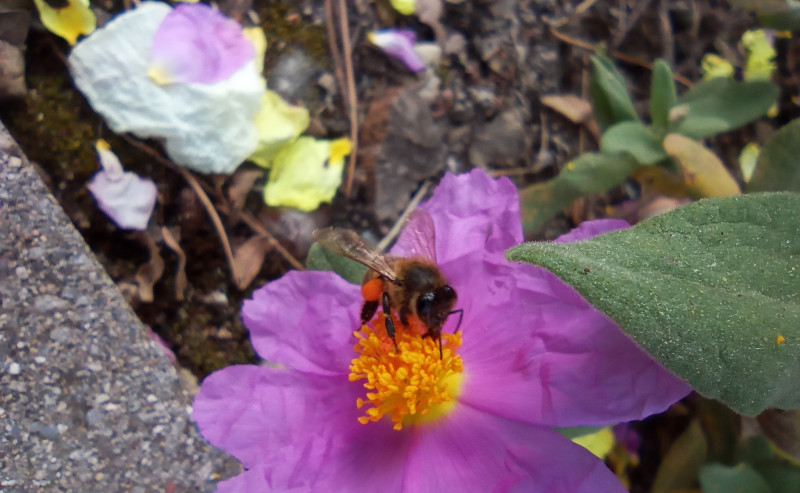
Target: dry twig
615 54
401 221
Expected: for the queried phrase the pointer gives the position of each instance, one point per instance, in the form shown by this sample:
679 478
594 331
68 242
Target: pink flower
196 43
531 354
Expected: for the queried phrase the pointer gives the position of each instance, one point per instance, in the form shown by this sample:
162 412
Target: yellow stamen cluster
412 386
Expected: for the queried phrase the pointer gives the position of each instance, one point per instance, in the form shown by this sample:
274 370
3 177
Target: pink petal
195 43
535 351
297 431
399 43
305 321
125 197
471 451
472 212
589 229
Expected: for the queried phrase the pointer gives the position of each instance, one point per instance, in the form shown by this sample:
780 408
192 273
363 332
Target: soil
480 109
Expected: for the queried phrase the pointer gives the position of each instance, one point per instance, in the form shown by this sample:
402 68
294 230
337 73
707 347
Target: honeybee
413 285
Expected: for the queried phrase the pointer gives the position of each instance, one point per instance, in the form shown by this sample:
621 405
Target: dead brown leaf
703 172
241 184
576 109
12 71
149 274
248 259
172 240
429 12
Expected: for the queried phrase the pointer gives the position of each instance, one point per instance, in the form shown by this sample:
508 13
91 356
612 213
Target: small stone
22 273
49 302
60 334
14 368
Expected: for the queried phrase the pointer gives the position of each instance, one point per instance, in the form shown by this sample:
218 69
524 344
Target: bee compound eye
425 304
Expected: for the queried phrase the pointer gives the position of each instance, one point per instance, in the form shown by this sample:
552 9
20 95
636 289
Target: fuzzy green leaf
778 167
610 100
719 105
635 139
711 290
320 258
662 95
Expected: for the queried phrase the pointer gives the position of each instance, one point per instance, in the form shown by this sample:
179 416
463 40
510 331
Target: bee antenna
460 312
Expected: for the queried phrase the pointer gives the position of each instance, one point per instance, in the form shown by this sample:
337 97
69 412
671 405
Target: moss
51 130
284 28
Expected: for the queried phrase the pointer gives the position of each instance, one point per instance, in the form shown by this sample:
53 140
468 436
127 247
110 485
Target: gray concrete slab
88 402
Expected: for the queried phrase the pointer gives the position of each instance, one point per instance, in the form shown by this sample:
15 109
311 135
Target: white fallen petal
206 127
125 197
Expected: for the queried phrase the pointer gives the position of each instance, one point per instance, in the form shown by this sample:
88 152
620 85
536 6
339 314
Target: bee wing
348 244
419 236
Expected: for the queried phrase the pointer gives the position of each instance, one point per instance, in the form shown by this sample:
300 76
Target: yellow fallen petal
278 123
760 63
714 66
405 7
257 37
599 443
304 173
340 148
70 22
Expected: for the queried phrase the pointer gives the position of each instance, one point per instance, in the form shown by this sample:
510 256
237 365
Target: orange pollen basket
413 386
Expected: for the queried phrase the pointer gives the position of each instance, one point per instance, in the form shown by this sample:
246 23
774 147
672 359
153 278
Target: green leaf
781 475
662 95
780 15
719 478
778 167
711 290
635 139
610 100
320 258
719 105
587 174
678 470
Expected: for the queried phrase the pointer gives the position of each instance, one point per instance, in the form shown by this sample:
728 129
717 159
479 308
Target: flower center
412 386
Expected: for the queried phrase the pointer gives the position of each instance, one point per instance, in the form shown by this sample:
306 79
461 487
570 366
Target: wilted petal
122 195
399 43
196 43
74 20
305 320
472 451
206 127
306 173
278 124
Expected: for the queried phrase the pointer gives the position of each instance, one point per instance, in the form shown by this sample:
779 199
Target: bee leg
404 316
368 311
387 317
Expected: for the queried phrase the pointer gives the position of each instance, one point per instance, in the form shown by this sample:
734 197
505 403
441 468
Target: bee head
433 307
